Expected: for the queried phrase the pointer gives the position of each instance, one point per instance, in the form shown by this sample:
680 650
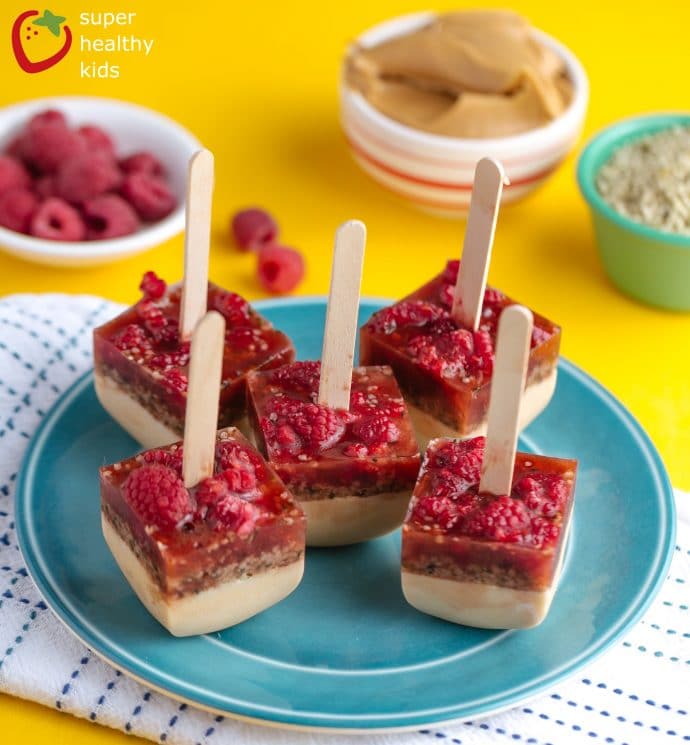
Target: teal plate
345 651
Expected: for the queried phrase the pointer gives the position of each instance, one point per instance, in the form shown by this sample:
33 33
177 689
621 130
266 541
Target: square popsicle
204 558
141 364
352 471
445 370
479 559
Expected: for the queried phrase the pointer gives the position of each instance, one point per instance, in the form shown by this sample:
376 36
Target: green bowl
650 265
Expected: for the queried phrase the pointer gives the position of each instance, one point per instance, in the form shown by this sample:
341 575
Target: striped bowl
435 172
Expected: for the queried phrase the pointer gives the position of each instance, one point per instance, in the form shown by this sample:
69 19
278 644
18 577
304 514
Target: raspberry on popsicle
340 438
484 537
204 531
141 356
440 340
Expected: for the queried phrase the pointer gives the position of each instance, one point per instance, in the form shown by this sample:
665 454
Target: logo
40 41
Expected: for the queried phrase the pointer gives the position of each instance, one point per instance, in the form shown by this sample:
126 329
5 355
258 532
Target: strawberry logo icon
40 41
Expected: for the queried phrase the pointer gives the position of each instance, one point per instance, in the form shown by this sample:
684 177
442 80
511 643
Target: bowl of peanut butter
423 97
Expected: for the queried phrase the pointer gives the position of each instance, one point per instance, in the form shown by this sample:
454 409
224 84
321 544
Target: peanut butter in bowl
466 74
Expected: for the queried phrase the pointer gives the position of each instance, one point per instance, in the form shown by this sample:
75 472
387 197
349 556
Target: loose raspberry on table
376 431
142 162
543 493
234 308
57 220
253 228
280 269
299 376
87 176
13 174
153 286
502 519
293 427
158 495
404 314
109 216
96 138
17 207
149 195
47 144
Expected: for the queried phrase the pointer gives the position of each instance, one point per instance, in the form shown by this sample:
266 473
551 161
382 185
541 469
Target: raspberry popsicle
206 533
440 340
141 356
484 537
341 439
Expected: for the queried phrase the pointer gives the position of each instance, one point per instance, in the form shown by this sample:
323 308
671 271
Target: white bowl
435 172
132 128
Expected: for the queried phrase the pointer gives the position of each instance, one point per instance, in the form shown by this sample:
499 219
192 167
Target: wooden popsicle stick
197 239
479 237
507 387
338 354
203 394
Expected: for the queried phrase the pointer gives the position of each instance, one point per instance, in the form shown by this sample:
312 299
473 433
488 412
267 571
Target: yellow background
256 82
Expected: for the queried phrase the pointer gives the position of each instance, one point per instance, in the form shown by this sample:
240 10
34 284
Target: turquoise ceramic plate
345 651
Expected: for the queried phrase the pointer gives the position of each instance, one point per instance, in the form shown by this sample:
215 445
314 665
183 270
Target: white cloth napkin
637 693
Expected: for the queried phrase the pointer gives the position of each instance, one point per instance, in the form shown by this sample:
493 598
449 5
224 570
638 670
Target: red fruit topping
158 495
246 338
149 195
48 116
17 207
153 286
236 514
445 295
164 329
109 216
462 458
96 138
45 186
296 427
493 297
439 511
48 144
503 519
175 381
280 269
356 450
455 353
407 313
235 309
369 403
87 176
234 456
539 335
450 273
299 376
544 493
376 431
13 174
57 221
170 458
142 162
132 339
543 533
253 228
218 499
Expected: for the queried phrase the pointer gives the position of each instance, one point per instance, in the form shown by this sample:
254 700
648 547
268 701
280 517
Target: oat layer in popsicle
485 560
203 558
141 362
351 470
445 370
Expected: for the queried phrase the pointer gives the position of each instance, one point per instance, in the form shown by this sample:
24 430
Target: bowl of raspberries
87 180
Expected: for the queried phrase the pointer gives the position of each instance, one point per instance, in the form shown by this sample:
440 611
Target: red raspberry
165 330
445 295
233 456
158 495
493 298
376 431
539 336
48 144
440 511
170 458
57 221
356 450
45 186
48 116
175 381
404 314
15 147
143 162
294 427
109 216
443 352
459 455
153 286
253 228
13 174
234 308
280 269
17 207
503 519
132 339
368 403
164 361
245 338
87 176
236 514
544 493
448 483
149 195
450 273
543 533
299 376
95 138
482 361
